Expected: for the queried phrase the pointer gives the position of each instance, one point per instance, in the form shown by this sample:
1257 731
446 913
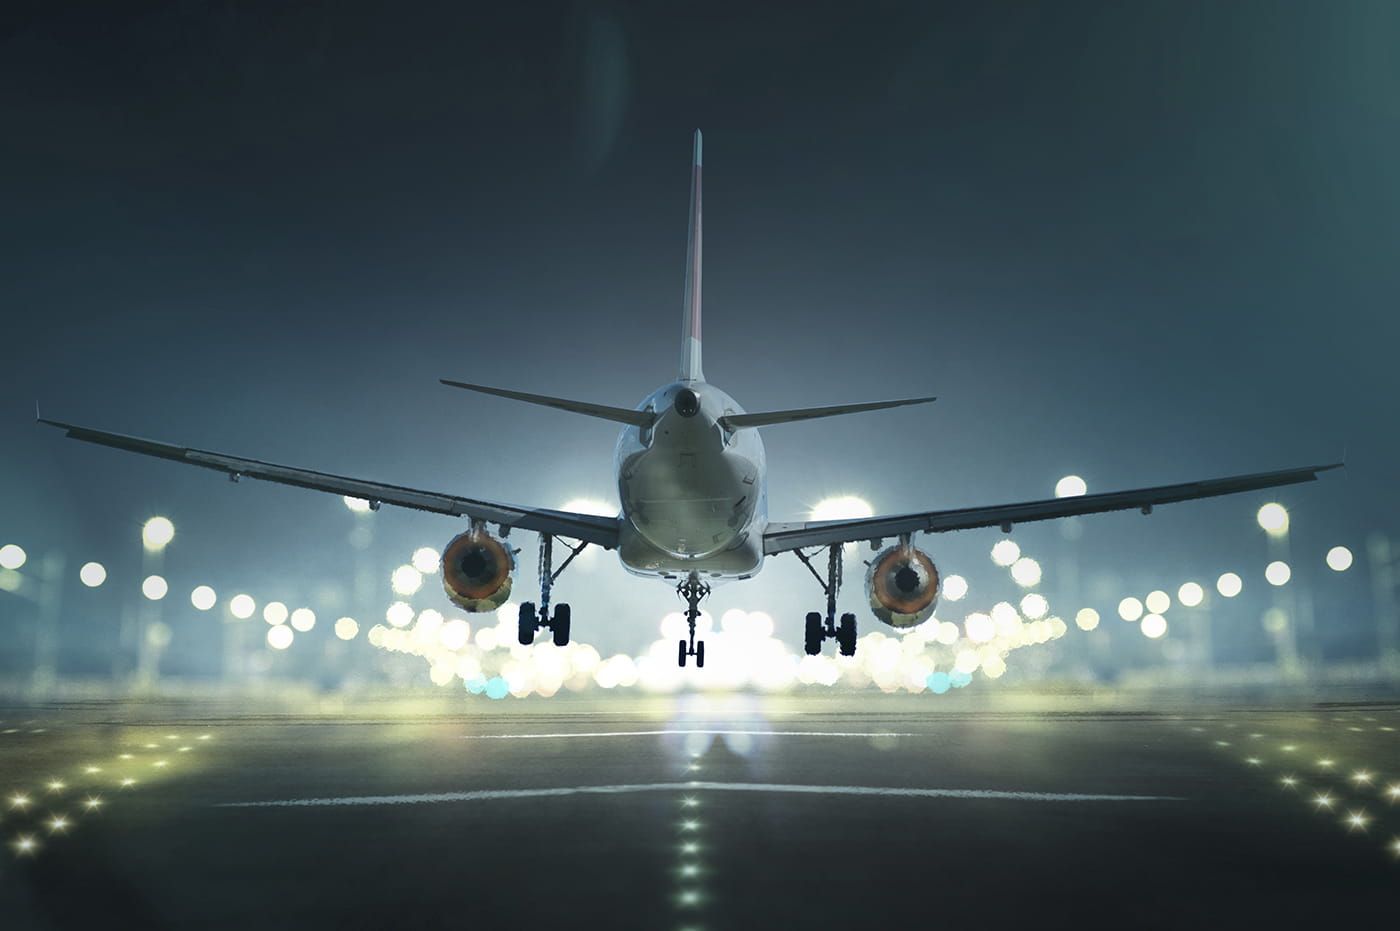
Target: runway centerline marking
487 795
685 732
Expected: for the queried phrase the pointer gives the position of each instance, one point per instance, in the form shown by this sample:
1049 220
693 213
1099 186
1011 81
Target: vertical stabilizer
690 322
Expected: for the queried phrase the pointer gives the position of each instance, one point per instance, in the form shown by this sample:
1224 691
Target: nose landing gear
693 591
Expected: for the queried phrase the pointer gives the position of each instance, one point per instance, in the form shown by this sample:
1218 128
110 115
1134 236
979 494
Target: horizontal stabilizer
617 414
739 421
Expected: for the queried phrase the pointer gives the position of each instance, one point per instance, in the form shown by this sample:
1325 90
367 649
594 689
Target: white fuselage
693 494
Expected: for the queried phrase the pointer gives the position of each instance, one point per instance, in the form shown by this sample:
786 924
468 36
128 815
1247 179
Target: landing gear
820 628
530 620
693 591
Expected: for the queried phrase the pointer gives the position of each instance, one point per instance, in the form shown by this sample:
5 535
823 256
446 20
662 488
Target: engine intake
476 571
902 584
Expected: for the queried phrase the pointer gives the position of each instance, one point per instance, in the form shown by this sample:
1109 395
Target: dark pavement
699 813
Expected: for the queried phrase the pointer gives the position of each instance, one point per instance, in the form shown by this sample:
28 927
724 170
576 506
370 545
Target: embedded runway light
275 612
156 533
1278 573
426 560
1005 552
346 628
1087 619
92 574
203 598
1339 559
154 587
1130 609
954 588
1323 800
1154 626
406 580
303 619
11 556
358 505
1190 594
1158 602
242 606
280 637
1274 519
1357 820
1071 486
1229 585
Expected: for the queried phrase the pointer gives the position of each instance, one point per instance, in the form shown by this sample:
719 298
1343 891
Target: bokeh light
203 598
842 507
358 505
1273 517
1277 572
93 574
1005 552
1130 609
1153 626
12 556
1034 606
303 619
406 580
400 614
347 628
426 560
154 587
1158 602
1071 486
275 612
1190 594
157 532
242 606
1339 559
1229 585
980 628
954 588
1087 619
280 637
1026 572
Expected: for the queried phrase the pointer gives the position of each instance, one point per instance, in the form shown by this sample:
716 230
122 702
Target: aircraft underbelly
689 503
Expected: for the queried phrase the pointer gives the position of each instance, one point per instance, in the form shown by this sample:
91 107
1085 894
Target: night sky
1144 243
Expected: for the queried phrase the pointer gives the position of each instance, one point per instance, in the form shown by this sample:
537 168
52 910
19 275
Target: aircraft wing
780 537
586 527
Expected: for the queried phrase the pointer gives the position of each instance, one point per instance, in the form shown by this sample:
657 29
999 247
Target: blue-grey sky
1141 242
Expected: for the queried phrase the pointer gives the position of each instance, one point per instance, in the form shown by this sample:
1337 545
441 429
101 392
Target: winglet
690 320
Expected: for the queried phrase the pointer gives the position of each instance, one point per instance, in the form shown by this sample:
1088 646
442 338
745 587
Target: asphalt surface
698 813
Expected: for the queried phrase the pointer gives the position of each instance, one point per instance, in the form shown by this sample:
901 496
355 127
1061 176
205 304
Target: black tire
812 642
699 653
683 653
561 625
527 624
846 635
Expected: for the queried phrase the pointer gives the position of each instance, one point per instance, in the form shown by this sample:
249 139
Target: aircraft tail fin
690 321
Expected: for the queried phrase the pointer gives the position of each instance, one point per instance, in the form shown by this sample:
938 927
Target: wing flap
587 527
781 537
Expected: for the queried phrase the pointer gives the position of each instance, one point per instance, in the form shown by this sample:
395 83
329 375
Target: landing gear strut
819 628
530 620
693 591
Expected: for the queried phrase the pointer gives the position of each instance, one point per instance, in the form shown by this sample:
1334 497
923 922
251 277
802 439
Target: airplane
691 479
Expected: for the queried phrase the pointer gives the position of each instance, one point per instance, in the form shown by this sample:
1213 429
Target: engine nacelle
902 585
477 569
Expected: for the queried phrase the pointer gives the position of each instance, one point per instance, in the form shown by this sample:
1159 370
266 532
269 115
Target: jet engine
902 585
476 571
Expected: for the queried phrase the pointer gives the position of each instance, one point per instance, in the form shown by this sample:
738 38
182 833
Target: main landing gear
532 620
819 628
692 590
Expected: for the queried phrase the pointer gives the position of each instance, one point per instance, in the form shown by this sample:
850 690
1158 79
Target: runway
697 813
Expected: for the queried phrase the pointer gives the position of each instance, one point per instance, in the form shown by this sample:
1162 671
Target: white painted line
487 795
722 733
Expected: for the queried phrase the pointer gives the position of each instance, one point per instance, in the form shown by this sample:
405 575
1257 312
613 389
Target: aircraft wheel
813 639
699 654
527 624
846 635
561 625
682 654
